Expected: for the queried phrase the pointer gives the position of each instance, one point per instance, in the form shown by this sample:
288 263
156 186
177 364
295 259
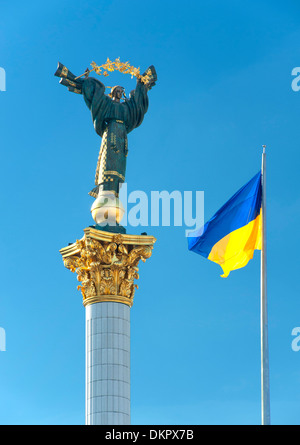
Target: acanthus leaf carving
107 268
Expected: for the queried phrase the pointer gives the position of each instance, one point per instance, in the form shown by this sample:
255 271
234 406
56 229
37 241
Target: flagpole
265 383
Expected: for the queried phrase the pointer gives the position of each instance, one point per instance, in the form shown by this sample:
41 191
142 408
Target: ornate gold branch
117 65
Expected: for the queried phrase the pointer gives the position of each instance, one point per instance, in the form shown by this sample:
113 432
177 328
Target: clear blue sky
223 90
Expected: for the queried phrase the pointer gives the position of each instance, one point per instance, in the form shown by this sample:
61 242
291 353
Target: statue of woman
113 120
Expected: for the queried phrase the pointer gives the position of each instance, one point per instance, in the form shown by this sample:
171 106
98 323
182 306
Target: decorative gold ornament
107 264
117 65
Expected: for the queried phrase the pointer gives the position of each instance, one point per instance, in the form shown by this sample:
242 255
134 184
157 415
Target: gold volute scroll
107 264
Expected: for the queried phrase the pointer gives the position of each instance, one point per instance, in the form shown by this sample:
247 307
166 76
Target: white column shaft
107 364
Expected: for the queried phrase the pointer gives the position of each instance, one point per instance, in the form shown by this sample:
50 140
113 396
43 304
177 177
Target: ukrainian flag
230 237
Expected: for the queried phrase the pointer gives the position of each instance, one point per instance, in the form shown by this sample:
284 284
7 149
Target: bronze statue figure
113 120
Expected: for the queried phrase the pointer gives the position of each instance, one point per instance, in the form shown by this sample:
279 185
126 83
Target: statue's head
116 93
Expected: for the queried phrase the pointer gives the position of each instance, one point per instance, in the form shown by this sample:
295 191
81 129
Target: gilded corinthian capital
106 264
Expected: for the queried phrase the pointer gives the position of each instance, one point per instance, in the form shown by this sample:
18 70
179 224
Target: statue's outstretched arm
152 77
68 79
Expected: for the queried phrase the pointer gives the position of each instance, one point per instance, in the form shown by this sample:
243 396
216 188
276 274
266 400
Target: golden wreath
117 65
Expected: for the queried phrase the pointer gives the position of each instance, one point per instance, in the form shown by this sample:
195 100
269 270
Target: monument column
106 258
107 265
